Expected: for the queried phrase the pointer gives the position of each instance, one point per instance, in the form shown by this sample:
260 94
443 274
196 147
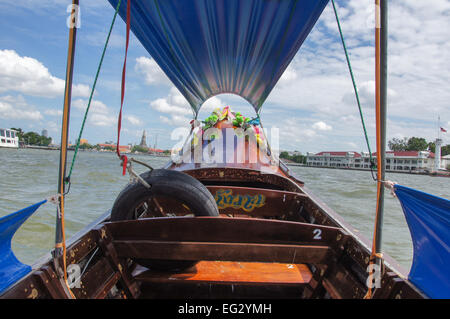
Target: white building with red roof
417 161
334 159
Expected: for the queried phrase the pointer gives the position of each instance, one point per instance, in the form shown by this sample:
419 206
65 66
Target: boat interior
272 239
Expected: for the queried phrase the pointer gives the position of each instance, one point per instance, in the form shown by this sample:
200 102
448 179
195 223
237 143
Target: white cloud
96 106
151 71
53 112
178 110
29 76
55 7
99 113
175 106
133 120
321 126
175 120
164 105
16 108
289 75
212 103
294 132
317 83
52 127
98 119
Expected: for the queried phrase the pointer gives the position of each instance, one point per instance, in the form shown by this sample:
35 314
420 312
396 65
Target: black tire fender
174 184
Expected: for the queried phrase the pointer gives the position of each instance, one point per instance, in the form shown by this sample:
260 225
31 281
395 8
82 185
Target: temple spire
143 140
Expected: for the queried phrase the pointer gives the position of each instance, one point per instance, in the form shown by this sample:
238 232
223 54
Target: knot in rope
54 199
389 185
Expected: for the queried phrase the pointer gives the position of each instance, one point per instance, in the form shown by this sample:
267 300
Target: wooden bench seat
223 279
225 272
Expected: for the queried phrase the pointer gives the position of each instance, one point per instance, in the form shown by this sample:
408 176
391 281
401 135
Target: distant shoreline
56 148
92 150
441 174
37 147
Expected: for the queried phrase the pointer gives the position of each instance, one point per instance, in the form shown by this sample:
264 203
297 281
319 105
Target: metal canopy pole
60 248
381 43
382 118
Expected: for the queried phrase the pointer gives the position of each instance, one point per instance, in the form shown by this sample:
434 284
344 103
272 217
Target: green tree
109 148
432 147
295 158
397 144
416 144
44 141
284 154
445 150
86 146
32 138
299 159
140 149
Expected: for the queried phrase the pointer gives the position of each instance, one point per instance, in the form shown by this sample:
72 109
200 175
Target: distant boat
9 138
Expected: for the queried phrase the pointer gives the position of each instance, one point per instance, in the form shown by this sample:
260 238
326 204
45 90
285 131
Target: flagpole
439 127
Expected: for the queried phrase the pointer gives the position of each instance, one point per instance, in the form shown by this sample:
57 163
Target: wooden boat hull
321 256
273 238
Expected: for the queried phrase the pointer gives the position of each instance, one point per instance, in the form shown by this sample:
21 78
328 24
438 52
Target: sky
313 104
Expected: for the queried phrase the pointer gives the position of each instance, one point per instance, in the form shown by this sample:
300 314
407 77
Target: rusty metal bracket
134 176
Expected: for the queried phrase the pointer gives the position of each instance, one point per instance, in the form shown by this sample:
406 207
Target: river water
29 176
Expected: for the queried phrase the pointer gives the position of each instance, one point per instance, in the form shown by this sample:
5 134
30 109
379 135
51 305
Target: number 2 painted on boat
317 234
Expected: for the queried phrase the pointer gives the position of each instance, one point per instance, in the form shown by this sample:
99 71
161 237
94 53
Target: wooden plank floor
246 273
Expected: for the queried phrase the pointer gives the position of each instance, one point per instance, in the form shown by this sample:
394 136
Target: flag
443 130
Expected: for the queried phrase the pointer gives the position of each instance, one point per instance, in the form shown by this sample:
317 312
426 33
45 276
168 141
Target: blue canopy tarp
428 218
207 47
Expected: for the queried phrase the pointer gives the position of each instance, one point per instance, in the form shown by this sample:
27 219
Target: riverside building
417 161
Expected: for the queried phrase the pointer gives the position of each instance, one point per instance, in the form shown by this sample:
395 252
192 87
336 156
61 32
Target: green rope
92 93
372 163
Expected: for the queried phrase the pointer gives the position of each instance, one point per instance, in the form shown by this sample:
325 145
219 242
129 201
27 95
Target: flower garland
237 119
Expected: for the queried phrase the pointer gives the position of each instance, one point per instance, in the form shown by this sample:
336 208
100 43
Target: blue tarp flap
207 47
428 219
11 269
